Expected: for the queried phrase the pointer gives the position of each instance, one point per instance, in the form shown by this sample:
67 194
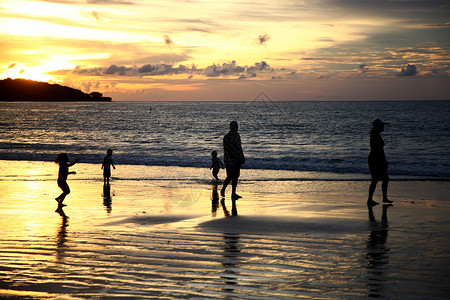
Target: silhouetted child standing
216 164
63 160
106 166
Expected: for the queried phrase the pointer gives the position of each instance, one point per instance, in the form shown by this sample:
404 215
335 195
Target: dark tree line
29 90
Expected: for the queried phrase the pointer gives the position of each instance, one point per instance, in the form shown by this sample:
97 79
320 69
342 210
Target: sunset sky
232 50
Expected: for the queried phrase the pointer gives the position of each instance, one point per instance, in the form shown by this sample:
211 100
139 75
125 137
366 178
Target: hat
378 122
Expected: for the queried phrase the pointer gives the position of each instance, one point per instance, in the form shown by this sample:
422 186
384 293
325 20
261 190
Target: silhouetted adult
234 158
378 164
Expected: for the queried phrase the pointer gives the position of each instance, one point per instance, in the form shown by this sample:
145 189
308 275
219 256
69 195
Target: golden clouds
300 40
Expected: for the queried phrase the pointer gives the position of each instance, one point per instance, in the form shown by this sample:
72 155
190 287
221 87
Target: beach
165 236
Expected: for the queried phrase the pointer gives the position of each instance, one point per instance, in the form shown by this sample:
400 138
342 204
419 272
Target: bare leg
62 197
66 191
214 173
372 188
234 183
234 186
225 184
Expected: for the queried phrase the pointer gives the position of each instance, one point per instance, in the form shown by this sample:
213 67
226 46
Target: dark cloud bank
215 70
408 70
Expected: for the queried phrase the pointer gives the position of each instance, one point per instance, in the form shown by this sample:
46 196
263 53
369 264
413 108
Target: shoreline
153 172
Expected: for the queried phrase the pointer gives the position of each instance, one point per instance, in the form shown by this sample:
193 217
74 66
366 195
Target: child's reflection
214 200
107 200
61 236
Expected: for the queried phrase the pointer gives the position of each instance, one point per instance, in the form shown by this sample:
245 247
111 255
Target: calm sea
330 137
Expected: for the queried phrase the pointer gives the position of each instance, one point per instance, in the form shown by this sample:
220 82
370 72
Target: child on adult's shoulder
216 165
106 166
63 160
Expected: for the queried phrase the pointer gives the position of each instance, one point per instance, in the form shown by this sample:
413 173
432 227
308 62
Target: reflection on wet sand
214 200
279 247
231 248
61 236
231 261
107 200
226 211
215 204
377 253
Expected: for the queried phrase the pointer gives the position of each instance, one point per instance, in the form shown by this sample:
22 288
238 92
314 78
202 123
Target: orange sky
231 50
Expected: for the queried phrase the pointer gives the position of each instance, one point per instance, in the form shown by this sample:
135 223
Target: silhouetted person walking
378 164
234 158
63 160
106 166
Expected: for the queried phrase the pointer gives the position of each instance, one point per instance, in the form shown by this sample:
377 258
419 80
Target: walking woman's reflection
377 253
107 200
61 236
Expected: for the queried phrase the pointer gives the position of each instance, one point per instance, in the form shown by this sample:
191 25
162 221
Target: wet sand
178 239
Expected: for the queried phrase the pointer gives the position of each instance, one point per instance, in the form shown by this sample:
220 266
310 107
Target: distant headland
29 90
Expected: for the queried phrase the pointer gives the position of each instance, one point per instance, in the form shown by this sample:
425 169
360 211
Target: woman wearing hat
378 164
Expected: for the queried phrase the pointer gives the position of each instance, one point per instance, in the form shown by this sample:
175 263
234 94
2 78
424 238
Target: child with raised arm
106 166
63 160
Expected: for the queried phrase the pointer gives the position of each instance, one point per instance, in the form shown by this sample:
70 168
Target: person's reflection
231 250
214 200
230 260
377 252
61 236
107 200
215 204
226 211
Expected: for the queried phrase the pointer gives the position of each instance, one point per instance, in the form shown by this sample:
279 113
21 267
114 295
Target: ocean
320 137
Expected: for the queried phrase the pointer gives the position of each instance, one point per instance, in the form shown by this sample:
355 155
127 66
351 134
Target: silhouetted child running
63 160
216 165
106 166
